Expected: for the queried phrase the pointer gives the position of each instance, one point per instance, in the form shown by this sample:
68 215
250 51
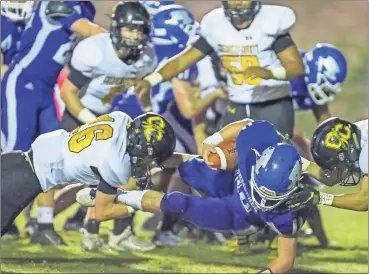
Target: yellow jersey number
337 137
236 66
83 136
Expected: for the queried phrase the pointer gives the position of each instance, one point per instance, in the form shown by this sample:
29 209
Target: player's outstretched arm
356 201
286 256
188 98
86 28
168 70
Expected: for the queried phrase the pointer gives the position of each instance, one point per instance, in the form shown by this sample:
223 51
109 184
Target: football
226 156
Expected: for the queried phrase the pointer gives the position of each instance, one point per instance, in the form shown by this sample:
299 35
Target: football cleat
31 227
91 242
116 241
47 237
165 238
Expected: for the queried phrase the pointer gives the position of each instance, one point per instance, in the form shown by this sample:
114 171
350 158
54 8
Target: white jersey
239 49
363 159
60 157
96 58
208 83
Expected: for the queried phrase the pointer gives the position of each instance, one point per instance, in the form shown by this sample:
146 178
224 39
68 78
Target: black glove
306 197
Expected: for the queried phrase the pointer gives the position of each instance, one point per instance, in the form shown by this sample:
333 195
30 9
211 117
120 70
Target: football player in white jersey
340 152
104 153
254 44
106 65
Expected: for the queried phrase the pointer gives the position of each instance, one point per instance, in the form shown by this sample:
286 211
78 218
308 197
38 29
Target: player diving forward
105 153
268 173
340 150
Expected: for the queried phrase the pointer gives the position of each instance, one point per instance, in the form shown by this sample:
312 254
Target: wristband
214 139
325 198
154 78
86 116
279 73
147 109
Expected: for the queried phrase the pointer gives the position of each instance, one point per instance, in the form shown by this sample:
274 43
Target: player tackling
104 153
340 150
250 196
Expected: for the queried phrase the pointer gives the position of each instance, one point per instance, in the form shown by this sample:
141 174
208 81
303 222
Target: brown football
226 156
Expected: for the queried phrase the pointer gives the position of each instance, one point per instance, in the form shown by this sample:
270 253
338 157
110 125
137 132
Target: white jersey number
82 137
236 66
61 54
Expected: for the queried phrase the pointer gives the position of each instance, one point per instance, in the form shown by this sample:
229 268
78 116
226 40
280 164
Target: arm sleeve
202 45
64 12
282 42
78 78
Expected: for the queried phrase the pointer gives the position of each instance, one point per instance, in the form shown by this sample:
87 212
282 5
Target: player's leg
122 237
205 212
90 238
280 113
19 186
18 116
234 112
47 122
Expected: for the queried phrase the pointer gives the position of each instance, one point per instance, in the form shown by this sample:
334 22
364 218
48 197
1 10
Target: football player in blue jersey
27 87
325 72
251 196
14 16
173 27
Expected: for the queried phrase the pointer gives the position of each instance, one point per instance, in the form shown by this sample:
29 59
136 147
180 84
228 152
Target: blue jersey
300 95
46 41
230 205
10 34
251 142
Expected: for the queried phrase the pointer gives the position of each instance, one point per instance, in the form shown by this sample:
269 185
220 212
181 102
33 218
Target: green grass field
348 253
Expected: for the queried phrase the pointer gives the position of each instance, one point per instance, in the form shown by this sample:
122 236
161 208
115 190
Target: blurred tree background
342 23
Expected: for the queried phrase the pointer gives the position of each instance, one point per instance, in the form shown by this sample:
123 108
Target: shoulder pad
280 20
57 9
209 20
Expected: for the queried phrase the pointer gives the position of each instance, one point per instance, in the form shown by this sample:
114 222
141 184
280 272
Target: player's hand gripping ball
226 156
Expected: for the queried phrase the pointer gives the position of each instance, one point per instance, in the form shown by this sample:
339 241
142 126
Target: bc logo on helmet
154 128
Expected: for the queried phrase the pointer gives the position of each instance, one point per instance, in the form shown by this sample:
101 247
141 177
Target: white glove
86 197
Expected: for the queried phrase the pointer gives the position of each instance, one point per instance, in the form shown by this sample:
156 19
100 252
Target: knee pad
175 202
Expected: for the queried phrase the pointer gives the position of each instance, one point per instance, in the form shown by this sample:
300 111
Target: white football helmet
17 11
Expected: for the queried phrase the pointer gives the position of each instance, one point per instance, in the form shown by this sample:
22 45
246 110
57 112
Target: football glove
86 197
306 197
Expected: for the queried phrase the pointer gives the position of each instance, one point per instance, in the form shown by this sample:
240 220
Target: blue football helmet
275 176
326 70
153 6
173 25
17 11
